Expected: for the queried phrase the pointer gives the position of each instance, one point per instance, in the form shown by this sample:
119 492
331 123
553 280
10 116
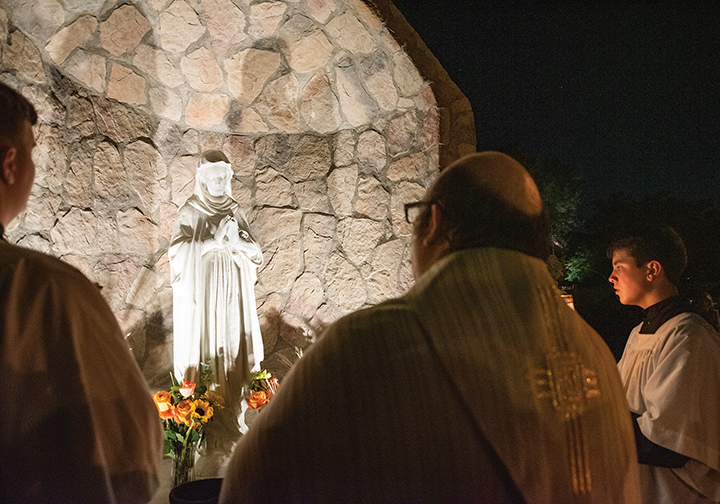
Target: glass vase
184 466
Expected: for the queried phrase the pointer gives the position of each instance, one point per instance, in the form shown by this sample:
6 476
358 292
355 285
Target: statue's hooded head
212 181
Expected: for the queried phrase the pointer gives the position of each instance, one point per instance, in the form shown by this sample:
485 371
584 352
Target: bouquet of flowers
185 410
263 387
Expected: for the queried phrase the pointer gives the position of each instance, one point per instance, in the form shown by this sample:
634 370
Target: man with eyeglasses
479 385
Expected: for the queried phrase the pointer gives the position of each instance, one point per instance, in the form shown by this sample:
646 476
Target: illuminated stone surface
320 107
146 172
265 18
359 237
328 125
345 288
344 147
90 69
320 10
225 22
166 103
179 27
157 64
205 110
278 103
70 37
272 188
382 272
126 86
371 152
22 55
341 189
350 33
373 199
248 72
308 47
201 70
310 159
306 295
123 30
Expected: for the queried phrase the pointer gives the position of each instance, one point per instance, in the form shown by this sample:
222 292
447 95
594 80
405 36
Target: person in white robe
671 372
77 422
213 261
479 385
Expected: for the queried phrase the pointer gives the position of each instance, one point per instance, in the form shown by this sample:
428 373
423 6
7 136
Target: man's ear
654 269
7 165
436 227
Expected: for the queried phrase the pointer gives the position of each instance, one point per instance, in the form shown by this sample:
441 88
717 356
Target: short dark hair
659 243
14 110
478 218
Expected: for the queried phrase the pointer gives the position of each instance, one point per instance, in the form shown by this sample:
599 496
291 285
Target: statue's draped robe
479 385
217 340
77 422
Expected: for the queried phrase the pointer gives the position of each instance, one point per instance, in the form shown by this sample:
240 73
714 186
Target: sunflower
202 410
215 399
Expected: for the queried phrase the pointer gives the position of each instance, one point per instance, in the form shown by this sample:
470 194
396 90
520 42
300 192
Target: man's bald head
500 175
490 200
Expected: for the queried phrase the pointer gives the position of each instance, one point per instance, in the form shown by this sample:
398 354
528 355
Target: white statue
213 262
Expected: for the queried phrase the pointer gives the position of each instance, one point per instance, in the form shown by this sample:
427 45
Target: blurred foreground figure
77 422
217 340
671 371
479 385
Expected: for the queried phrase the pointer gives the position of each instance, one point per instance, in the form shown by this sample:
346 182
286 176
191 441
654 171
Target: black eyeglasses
413 210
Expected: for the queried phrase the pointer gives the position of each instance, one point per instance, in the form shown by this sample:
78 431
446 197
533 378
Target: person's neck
5 215
660 293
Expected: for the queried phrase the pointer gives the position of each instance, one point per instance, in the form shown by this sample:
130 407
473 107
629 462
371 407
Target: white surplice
77 421
672 380
479 385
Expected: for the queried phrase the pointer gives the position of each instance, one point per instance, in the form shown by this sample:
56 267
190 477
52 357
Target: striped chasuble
479 385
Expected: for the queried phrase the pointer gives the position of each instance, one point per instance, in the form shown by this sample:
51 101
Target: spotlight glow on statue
213 262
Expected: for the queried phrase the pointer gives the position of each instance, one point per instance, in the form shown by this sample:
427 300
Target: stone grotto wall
328 123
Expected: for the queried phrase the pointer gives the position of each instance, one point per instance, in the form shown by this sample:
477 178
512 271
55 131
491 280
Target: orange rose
163 401
187 388
257 399
168 414
184 411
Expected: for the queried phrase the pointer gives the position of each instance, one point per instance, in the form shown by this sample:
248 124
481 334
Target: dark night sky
628 93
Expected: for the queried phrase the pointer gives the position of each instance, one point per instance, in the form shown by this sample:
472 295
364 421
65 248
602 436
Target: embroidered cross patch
569 385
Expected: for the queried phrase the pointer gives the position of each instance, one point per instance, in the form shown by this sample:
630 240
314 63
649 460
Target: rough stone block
201 70
123 30
342 183
225 22
70 37
179 27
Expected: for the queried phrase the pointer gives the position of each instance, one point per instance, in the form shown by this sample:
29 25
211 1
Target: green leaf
262 375
173 436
